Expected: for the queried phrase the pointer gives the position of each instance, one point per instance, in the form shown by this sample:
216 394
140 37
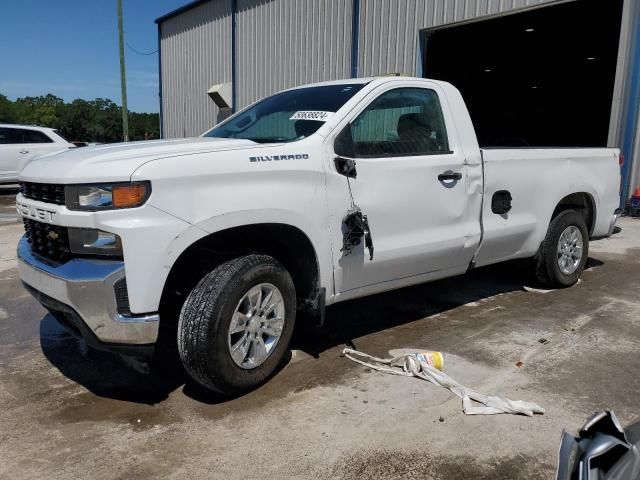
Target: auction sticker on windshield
311 115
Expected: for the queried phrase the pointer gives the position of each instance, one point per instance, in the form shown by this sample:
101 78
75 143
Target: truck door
10 147
411 183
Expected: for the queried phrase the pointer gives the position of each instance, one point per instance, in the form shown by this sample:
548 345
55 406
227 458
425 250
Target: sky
70 48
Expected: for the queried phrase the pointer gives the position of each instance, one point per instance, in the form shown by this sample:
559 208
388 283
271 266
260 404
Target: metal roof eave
180 10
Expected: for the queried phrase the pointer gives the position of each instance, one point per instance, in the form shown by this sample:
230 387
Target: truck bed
538 179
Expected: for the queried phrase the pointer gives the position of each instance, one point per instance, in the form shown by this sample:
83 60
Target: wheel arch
581 201
286 243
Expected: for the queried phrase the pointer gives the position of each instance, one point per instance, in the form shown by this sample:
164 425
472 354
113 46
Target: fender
319 240
542 226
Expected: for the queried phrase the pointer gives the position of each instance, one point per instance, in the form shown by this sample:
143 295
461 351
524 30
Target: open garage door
544 77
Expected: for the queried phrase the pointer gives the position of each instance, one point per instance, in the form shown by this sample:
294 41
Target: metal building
515 61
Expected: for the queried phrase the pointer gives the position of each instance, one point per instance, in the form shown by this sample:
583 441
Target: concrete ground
66 412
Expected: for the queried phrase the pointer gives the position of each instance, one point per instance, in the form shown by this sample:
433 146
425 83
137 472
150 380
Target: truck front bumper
81 295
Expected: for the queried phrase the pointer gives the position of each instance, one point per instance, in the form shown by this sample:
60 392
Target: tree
98 120
41 110
143 126
7 111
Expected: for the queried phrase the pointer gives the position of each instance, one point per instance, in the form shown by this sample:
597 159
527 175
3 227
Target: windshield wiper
268 139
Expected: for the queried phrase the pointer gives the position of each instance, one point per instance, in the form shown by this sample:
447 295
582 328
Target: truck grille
49 241
45 192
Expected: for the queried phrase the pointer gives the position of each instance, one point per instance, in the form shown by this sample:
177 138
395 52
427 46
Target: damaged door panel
355 227
393 154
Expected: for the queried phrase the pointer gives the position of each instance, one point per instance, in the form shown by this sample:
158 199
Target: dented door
412 184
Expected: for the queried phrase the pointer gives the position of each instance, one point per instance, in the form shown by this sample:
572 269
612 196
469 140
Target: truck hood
117 161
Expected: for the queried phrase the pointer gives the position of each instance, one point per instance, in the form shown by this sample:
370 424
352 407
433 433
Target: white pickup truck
310 197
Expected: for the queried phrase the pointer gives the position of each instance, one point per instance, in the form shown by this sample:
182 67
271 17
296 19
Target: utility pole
123 78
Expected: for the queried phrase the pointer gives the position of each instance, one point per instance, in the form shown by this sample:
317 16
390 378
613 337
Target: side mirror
343 144
346 167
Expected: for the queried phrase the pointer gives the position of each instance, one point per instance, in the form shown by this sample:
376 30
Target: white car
312 196
19 144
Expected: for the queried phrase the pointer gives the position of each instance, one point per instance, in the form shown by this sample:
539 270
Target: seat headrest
412 121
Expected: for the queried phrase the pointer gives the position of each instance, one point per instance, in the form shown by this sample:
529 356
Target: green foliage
7 114
98 120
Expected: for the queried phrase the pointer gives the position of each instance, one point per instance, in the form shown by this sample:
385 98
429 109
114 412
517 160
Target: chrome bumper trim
614 219
86 286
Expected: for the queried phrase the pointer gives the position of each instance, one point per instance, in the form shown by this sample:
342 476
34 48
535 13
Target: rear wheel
235 326
564 251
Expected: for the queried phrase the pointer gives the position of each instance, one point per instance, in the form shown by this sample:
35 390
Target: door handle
449 175
24 151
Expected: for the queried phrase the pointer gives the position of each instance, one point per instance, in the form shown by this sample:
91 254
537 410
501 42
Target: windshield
287 116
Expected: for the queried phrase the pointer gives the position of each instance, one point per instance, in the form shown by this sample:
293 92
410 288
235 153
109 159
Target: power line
138 52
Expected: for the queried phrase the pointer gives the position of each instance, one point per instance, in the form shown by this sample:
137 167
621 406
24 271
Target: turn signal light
129 195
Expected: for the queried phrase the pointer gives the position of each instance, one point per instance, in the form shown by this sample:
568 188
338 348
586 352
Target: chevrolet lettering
31 211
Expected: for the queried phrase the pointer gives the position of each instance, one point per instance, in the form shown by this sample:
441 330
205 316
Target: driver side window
401 122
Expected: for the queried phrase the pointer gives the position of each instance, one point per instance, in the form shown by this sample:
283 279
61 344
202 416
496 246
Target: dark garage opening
539 78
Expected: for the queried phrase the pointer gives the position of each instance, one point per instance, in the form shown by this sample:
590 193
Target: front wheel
563 254
236 324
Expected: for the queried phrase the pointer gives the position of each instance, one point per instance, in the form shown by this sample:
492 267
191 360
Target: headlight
107 196
84 241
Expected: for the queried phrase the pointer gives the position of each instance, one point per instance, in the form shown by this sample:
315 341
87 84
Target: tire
204 340
548 269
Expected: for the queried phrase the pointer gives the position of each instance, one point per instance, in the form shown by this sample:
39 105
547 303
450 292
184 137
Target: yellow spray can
435 359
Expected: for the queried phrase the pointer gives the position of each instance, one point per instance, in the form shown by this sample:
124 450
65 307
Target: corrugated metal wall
389 28
196 53
285 43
